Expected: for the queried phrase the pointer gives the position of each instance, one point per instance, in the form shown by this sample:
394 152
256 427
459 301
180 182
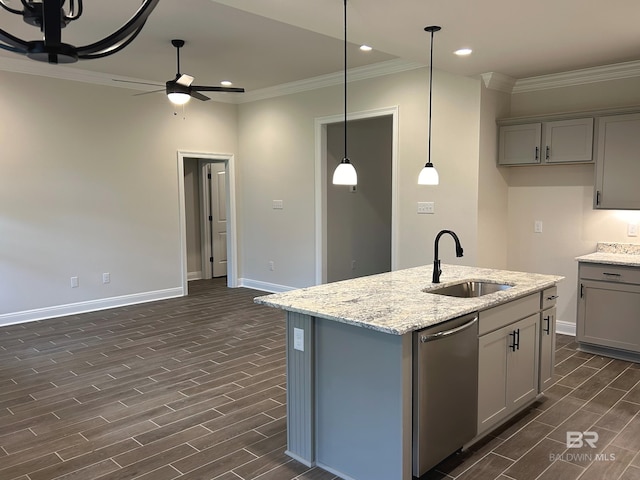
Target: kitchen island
350 361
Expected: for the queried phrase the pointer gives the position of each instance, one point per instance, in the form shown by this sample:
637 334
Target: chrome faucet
436 260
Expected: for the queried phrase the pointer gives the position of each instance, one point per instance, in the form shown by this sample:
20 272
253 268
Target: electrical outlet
537 226
632 230
353 264
106 277
272 265
74 282
426 207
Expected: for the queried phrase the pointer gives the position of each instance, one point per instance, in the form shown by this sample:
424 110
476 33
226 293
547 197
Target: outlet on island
272 265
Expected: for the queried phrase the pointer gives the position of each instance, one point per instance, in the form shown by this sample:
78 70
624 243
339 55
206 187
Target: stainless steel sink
469 289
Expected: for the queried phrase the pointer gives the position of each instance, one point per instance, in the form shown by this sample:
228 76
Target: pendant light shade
345 173
429 174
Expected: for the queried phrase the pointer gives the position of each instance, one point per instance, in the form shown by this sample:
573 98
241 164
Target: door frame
321 184
232 247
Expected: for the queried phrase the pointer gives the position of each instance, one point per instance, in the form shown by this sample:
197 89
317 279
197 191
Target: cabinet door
492 378
608 315
519 144
522 364
568 141
547 347
618 162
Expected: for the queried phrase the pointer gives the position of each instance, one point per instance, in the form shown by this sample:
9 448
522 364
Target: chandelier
50 16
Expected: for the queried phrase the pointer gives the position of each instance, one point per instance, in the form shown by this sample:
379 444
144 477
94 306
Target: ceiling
265 43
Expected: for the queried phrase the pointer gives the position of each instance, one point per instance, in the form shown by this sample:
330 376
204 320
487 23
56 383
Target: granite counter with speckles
609 253
399 302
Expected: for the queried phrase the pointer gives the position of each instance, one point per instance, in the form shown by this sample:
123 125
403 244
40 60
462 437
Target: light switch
278 204
298 339
426 207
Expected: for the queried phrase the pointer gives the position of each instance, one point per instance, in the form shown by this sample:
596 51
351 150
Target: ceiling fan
181 88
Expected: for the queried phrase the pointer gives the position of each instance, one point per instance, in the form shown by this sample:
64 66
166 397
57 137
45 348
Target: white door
218 218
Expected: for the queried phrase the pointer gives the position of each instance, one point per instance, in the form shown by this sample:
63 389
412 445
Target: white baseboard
88 306
264 286
194 275
566 328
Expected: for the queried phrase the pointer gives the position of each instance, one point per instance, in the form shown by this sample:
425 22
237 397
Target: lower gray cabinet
609 306
507 370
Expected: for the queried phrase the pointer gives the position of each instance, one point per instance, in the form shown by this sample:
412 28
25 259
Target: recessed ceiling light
463 51
226 83
365 48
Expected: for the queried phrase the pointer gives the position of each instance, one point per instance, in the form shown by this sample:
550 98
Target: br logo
578 439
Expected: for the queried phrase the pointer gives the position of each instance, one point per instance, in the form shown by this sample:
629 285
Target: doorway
356 228
207 217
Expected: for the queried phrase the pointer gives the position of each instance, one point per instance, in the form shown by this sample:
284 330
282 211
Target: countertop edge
475 305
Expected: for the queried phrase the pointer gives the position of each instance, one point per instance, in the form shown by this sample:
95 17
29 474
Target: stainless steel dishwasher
445 390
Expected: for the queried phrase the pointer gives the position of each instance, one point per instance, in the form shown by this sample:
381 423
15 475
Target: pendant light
345 174
429 174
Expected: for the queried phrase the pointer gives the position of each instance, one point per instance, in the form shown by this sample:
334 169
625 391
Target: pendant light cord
345 78
430 93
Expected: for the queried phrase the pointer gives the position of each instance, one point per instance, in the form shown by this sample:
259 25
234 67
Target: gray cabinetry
547 337
509 349
618 162
550 142
519 144
609 306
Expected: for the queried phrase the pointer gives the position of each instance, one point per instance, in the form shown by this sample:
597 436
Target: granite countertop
395 303
614 254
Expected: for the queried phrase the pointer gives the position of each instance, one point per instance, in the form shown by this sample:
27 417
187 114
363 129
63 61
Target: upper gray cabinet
546 142
618 162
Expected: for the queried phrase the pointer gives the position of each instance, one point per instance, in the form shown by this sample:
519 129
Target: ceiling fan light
428 175
178 98
345 174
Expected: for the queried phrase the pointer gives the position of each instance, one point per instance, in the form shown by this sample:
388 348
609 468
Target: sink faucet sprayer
436 261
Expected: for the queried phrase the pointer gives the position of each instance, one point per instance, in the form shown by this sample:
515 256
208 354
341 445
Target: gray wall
89 184
359 223
192 218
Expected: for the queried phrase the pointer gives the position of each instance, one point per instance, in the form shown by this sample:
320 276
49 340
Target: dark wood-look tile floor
193 388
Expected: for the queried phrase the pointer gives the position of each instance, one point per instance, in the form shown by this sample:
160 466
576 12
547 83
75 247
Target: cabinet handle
548 153
537 153
516 340
611 274
597 197
552 297
548 329
581 290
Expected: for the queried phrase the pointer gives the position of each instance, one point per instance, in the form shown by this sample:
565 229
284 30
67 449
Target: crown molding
29 67
498 81
354 74
578 77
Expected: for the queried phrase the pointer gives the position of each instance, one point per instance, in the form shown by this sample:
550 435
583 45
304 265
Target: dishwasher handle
446 333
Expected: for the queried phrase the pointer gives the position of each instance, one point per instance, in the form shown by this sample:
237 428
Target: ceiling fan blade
146 93
204 88
185 80
199 96
139 83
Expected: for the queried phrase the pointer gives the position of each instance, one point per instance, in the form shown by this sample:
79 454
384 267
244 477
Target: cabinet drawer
502 315
549 297
609 273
